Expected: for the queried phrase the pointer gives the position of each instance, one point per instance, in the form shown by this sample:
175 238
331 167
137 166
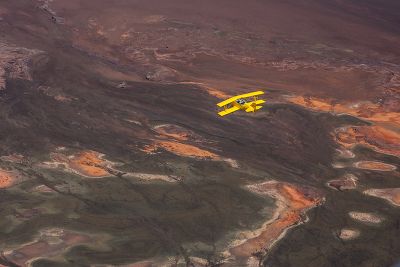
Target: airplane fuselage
244 105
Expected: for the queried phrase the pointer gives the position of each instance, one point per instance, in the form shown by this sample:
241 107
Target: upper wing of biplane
228 111
257 102
256 93
230 100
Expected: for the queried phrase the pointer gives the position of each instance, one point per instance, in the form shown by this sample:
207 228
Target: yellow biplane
240 102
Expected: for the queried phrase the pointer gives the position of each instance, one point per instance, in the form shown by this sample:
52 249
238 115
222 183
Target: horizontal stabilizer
257 102
251 109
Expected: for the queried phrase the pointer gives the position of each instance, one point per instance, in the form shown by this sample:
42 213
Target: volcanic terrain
112 152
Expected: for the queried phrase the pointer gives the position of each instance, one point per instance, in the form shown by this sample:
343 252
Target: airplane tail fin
253 107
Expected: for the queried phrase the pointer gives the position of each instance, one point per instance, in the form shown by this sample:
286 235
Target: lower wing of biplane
239 103
227 111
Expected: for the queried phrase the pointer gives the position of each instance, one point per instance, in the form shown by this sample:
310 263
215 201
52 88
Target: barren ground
112 154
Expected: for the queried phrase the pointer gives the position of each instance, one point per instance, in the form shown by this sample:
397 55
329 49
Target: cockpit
240 101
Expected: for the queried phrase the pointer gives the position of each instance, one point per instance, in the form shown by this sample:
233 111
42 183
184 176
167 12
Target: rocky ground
112 154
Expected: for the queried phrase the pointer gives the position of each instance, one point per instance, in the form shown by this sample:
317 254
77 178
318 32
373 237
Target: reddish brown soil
377 138
374 166
364 110
186 150
173 131
344 53
382 137
296 202
7 179
89 163
392 195
217 93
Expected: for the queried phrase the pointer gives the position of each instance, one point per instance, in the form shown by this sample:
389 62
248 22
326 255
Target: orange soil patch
186 150
391 117
365 110
181 149
7 179
376 137
217 93
89 163
62 98
390 194
381 138
294 202
173 131
374 165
